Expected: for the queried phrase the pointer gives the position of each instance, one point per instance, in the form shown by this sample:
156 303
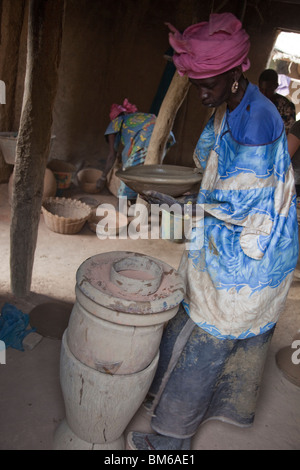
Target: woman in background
294 151
132 130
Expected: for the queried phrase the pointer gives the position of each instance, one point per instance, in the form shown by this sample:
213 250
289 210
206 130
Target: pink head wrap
210 48
117 109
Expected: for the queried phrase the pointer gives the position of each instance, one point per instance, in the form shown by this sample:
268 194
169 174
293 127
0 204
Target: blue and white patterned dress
238 274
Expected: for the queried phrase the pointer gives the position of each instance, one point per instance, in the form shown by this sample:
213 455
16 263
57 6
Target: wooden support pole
165 120
45 26
174 98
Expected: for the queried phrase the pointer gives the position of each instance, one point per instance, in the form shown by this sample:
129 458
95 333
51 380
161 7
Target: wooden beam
174 98
45 26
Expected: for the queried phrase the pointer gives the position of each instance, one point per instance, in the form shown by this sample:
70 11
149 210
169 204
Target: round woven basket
65 215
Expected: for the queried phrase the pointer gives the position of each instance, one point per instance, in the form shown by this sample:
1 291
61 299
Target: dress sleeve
114 126
204 145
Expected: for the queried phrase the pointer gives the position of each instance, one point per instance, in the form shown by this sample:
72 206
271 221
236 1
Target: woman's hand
154 197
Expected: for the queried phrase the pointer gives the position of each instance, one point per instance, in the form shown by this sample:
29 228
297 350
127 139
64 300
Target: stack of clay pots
110 349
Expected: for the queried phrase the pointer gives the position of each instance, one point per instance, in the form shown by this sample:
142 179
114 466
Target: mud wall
117 52
114 49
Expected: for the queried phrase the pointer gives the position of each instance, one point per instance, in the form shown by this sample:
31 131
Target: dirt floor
31 405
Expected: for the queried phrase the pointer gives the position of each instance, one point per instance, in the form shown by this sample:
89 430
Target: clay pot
110 349
114 328
99 406
113 182
65 439
63 172
87 179
50 185
8 144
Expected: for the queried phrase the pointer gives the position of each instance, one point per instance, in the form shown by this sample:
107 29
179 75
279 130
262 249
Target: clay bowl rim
134 285
191 176
161 182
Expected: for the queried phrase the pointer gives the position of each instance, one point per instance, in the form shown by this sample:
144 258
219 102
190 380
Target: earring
235 87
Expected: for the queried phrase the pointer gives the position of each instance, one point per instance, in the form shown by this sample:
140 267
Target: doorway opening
285 59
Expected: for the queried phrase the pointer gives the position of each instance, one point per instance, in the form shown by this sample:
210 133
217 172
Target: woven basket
65 215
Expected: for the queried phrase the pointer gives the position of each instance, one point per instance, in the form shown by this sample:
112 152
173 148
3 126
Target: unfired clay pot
110 349
88 178
115 329
99 406
65 439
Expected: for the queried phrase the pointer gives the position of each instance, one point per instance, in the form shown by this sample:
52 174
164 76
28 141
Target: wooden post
45 25
165 120
164 123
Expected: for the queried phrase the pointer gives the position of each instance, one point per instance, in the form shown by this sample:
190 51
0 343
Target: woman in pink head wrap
239 263
117 109
216 50
210 48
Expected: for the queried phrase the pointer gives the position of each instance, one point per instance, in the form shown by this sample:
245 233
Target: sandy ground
32 406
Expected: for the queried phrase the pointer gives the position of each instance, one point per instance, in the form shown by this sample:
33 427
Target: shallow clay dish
173 180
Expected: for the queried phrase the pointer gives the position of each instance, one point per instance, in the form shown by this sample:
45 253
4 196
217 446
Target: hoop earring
235 87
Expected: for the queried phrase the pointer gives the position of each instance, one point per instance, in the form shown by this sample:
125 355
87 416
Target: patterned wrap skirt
201 377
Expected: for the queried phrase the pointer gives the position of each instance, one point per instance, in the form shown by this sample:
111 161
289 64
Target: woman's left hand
154 197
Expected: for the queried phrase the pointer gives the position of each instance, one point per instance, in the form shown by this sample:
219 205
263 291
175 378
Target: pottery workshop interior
63 63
